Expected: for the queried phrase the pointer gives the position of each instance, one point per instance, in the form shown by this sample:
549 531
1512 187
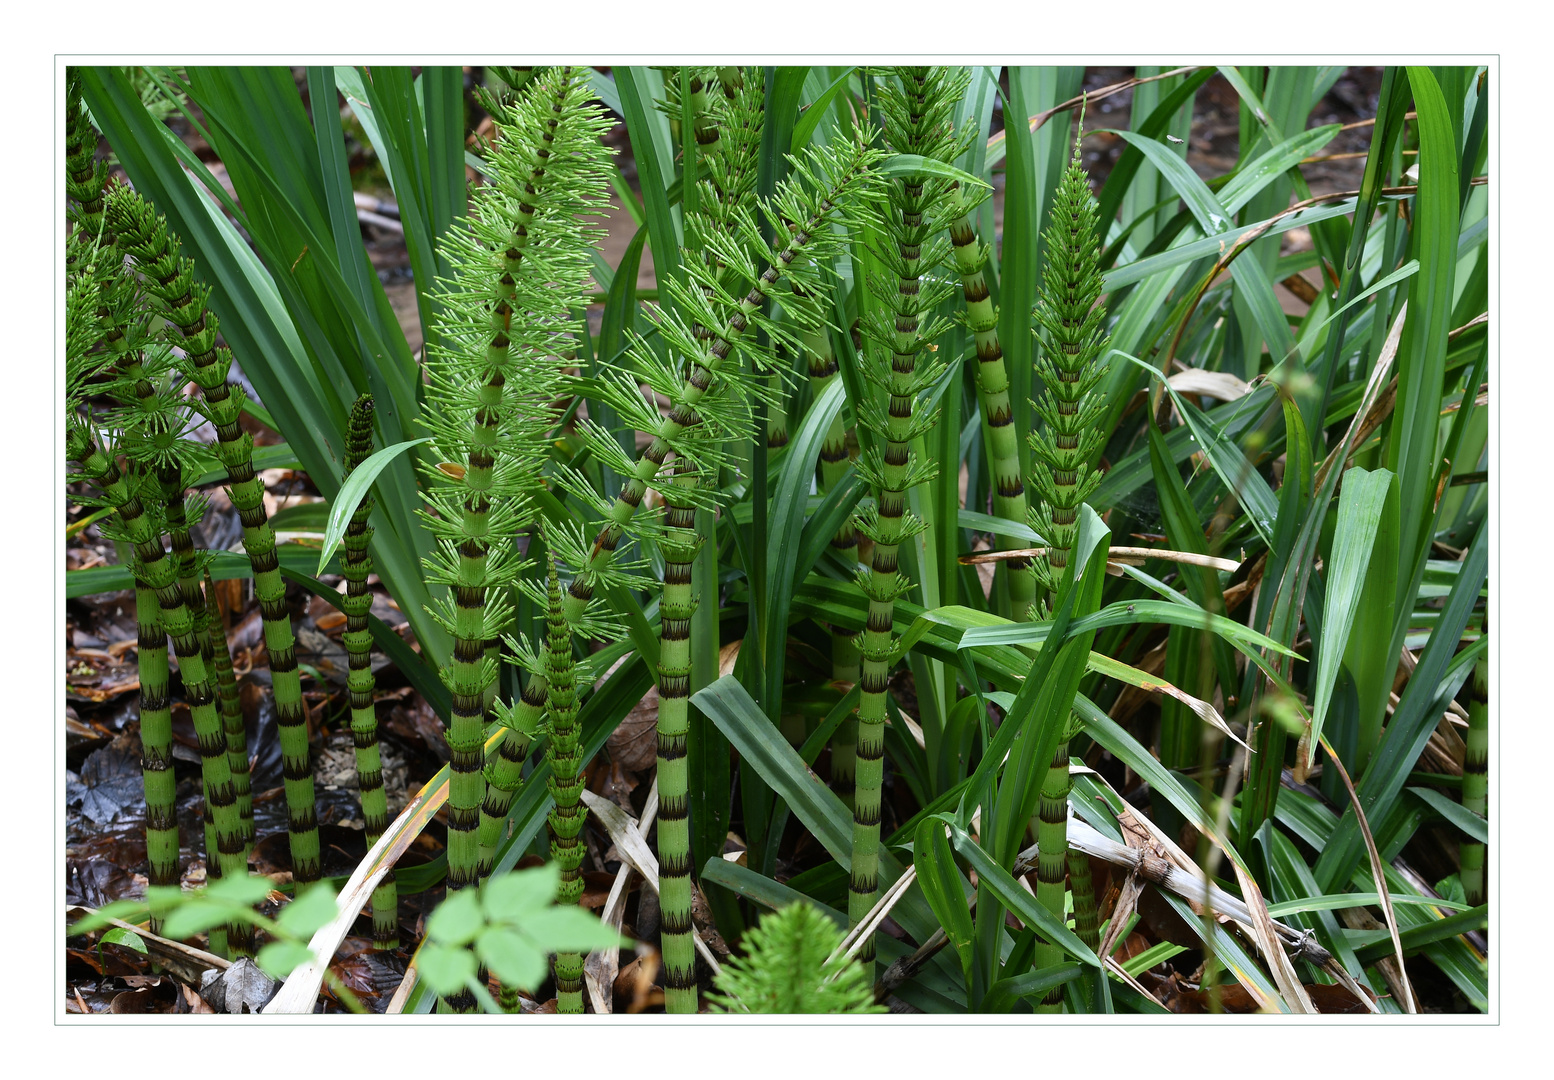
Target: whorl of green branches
787 968
519 271
85 176
1071 363
705 410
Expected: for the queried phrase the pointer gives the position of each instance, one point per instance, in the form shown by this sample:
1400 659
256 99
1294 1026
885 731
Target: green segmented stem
85 176
492 384
776 414
156 745
998 430
564 751
504 775
845 657
1475 779
355 565
678 546
231 701
1070 366
158 573
916 122
170 278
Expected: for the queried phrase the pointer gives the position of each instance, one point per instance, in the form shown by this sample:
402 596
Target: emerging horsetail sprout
897 359
520 266
1072 359
355 565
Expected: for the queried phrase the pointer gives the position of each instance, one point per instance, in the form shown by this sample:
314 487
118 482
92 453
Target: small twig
1122 556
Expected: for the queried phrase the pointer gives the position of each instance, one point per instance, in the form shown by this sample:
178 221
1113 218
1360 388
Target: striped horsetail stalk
998 431
820 358
355 565
169 278
917 106
547 167
520 267
564 751
231 713
710 409
1475 778
1071 360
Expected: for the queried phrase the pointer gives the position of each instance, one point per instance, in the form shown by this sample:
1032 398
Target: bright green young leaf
445 968
457 919
514 897
128 938
569 928
351 493
279 958
309 912
512 958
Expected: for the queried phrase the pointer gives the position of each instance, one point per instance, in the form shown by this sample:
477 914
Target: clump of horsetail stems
520 265
136 521
100 300
710 407
355 565
1475 778
998 430
181 300
547 168
1072 348
917 109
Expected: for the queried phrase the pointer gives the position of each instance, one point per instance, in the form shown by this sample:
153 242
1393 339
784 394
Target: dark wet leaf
109 784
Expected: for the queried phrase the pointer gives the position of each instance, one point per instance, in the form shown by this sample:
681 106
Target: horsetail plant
998 429
100 300
521 267
355 565
1071 361
565 754
181 299
898 359
153 567
231 714
834 461
710 407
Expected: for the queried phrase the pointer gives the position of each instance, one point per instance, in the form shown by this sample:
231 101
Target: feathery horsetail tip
1070 363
